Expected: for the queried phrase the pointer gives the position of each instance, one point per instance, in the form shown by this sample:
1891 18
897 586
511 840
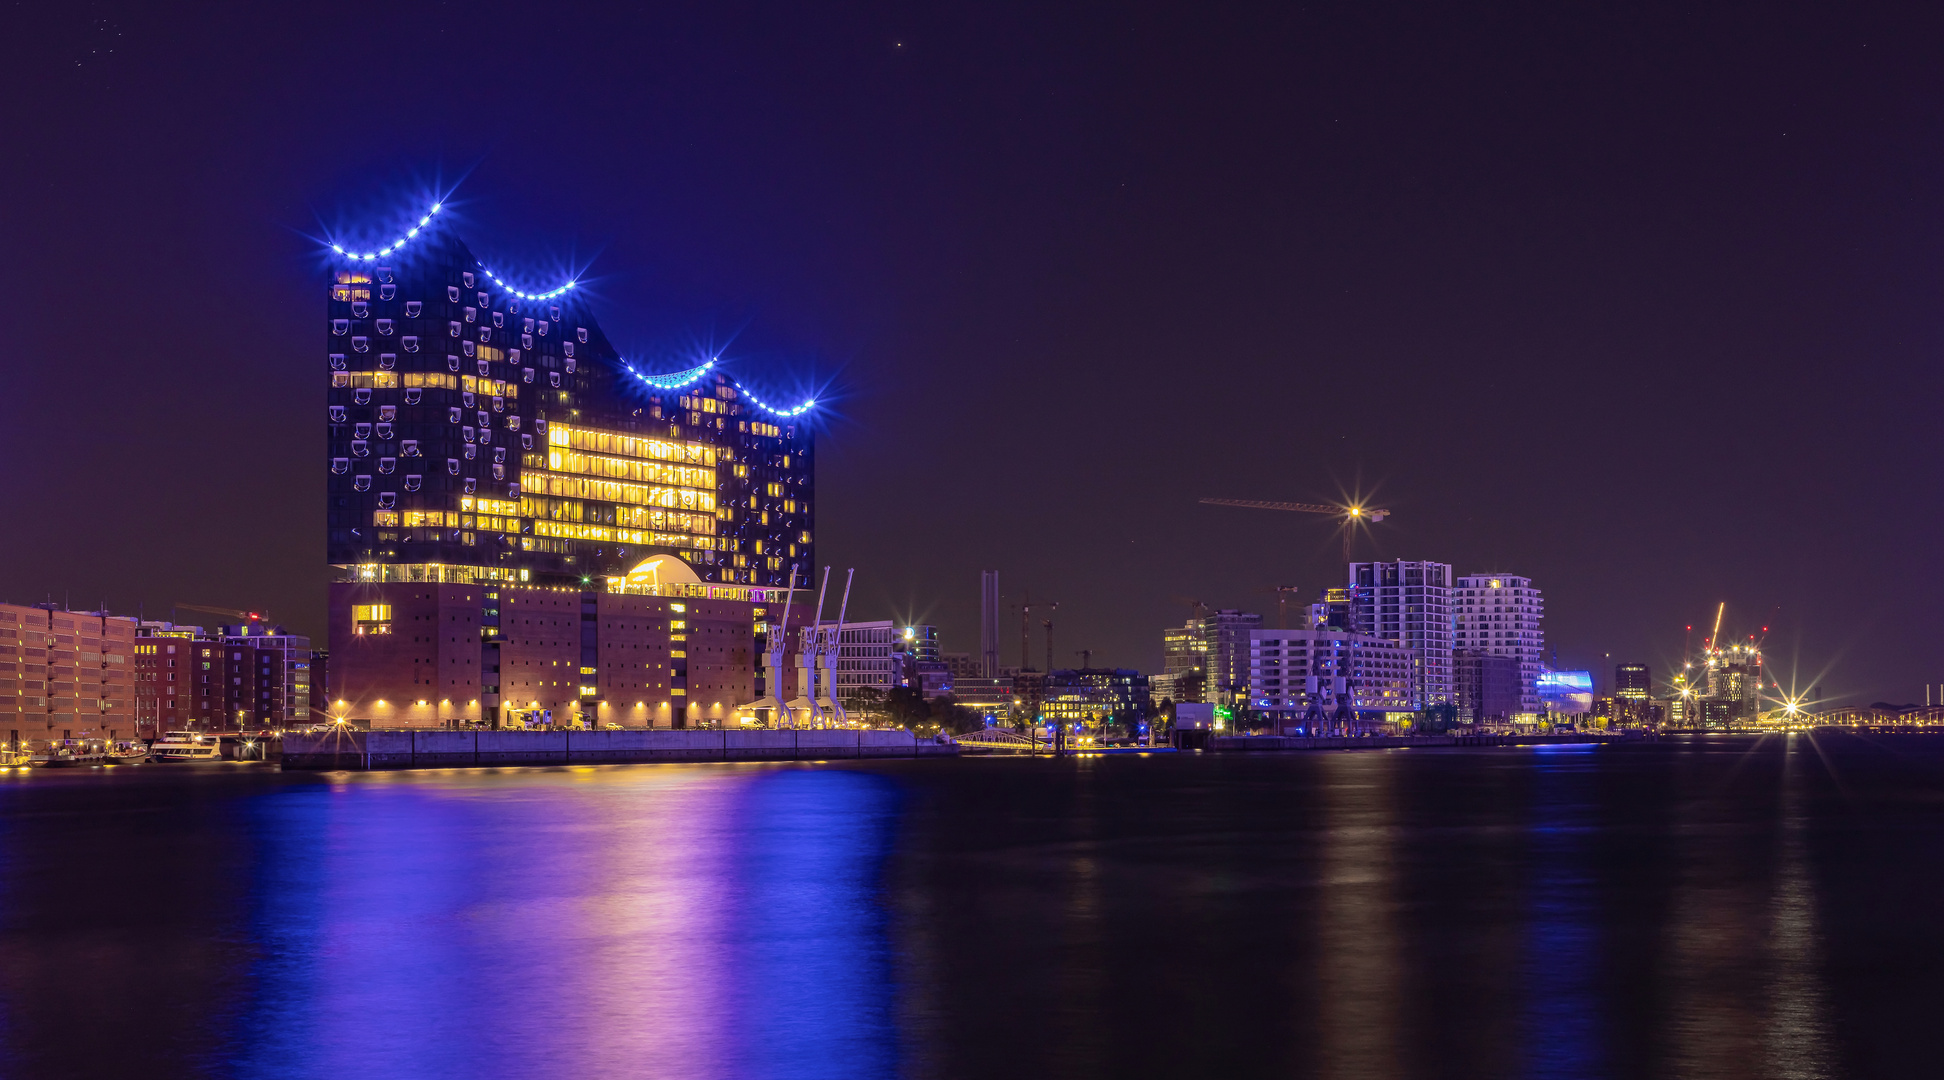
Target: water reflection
590 922
1561 999
1798 1042
1747 998
1357 963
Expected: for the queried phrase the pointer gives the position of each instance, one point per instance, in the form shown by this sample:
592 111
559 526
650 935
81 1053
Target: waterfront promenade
351 748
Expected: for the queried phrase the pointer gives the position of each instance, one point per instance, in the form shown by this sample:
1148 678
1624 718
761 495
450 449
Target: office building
1634 681
1499 615
1408 602
963 666
1224 641
1184 662
1487 687
1633 697
492 457
290 684
1179 687
1291 674
1094 696
873 657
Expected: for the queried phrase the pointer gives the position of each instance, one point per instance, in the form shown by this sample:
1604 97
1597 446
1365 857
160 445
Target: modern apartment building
1408 602
1499 615
1288 671
65 675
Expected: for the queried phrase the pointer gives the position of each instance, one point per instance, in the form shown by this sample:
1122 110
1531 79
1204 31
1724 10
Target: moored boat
185 746
68 755
127 753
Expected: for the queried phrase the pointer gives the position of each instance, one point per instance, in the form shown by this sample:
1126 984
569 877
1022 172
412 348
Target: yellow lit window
384 517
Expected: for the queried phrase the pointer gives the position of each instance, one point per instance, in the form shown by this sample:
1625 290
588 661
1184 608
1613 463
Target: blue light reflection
676 921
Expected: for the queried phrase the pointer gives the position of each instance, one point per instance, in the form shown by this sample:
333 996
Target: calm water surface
1694 908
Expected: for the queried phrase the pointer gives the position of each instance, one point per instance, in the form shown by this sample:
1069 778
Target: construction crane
1282 602
1352 515
241 617
1025 622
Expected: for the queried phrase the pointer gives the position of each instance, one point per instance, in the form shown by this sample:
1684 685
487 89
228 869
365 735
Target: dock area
441 749
1290 743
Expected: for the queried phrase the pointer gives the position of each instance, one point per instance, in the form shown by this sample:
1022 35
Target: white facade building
870 656
1408 602
1499 615
1291 669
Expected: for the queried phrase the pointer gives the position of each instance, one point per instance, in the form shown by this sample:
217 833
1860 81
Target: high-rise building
1634 681
1184 664
493 457
1499 615
1224 639
1408 602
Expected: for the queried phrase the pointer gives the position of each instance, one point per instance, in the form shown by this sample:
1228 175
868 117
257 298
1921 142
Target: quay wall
1229 744
354 749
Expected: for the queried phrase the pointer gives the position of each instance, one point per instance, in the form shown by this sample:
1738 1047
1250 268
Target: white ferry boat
186 746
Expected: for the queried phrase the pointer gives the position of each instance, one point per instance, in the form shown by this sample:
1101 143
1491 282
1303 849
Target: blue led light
773 410
674 380
522 295
372 256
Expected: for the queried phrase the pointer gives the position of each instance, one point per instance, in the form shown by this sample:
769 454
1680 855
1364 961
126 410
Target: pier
1219 744
351 748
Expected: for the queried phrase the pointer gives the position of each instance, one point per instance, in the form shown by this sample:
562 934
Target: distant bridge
1002 739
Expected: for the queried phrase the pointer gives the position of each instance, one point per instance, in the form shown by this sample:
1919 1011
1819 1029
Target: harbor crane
1352 515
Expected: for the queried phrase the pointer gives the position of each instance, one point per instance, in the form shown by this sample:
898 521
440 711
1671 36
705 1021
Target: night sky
1641 303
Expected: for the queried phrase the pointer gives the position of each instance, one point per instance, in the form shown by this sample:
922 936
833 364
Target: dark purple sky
1641 303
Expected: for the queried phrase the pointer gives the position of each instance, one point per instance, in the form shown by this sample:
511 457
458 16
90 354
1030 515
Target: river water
1692 908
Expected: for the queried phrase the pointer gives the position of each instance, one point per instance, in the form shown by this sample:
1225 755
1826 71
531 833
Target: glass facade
477 436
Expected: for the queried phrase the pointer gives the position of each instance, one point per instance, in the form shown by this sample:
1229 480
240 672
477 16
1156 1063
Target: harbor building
492 457
1500 615
1408 602
70 675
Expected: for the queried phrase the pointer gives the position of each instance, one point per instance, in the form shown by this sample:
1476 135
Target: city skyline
1105 330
